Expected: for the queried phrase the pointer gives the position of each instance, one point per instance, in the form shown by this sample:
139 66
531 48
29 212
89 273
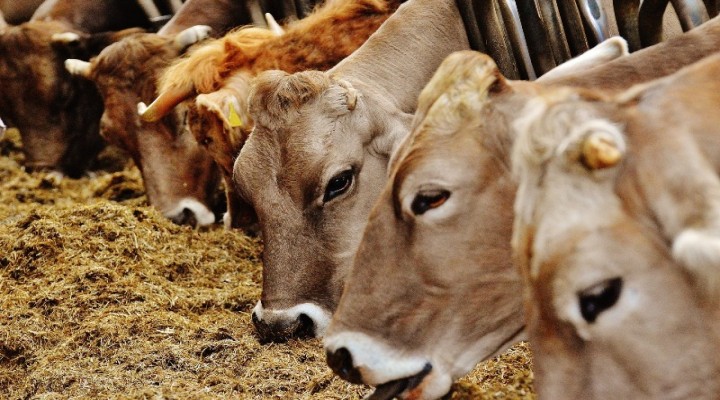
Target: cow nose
279 330
341 362
185 217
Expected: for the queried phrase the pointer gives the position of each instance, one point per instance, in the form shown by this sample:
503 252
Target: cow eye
599 298
338 185
428 200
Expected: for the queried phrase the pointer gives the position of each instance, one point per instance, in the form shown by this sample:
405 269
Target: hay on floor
101 297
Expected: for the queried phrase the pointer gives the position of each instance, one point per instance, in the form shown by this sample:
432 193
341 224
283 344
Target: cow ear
227 107
458 90
608 50
351 95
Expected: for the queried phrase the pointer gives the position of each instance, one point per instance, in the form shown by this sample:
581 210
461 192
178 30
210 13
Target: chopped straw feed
101 297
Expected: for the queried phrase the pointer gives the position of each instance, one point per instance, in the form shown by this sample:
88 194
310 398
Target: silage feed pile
101 297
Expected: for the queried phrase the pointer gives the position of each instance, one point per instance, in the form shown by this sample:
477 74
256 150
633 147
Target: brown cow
312 199
220 15
448 206
181 180
94 16
222 70
58 115
224 15
617 235
16 12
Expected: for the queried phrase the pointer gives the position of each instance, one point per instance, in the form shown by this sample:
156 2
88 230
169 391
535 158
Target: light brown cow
222 70
181 180
617 234
317 159
447 207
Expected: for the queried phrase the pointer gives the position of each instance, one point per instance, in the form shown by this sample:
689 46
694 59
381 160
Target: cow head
56 114
312 168
180 178
221 124
612 311
433 289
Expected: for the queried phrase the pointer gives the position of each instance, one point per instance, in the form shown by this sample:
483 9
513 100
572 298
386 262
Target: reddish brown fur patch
135 60
317 42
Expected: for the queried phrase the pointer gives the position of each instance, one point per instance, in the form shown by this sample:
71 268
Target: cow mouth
390 390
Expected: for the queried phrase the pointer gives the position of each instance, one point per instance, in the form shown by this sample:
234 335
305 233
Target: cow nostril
341 362
185 217
281 330
305 328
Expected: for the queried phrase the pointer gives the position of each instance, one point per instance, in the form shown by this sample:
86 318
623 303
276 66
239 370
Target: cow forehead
288 160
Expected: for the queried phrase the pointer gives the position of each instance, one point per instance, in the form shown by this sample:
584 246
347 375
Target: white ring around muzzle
319 317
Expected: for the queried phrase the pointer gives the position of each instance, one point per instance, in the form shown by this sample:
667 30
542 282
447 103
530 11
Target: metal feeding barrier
530 37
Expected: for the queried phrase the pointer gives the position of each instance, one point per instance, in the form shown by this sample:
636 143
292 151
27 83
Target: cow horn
273 25
191 36
600 150
78 67
65 37
165 102
351 93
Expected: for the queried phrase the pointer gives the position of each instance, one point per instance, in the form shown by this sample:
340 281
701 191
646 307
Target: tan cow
180 179
311 146
221 72
317 159
617 234
445 217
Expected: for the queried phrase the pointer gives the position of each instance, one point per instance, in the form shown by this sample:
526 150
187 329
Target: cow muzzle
191 212
302 321
358 358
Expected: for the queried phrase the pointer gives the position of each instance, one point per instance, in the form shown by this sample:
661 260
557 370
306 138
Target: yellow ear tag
234 117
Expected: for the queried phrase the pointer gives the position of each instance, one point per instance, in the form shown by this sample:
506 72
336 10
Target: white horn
150 9
65 37
191 36
78 67
273 25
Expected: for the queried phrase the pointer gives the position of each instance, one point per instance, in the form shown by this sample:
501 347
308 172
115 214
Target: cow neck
400 58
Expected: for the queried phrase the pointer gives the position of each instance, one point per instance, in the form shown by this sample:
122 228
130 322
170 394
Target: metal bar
467 12
536 36
498 45
691 13
626 15
574 27
712 7
596 21
550 15
514 28
650 21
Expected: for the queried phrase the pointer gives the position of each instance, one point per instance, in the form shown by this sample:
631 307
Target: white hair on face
203 215
319 316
